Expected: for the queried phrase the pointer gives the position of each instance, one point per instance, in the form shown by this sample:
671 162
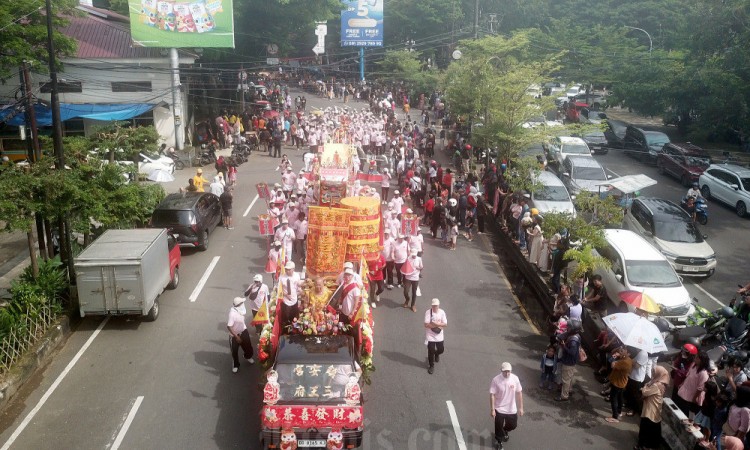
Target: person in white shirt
393 225
257 292
238 334
285 235
400 253
411 279
397 202
290 282
635 382
301 181
434 323
387 252
300 236
291 214
416 242
385 184
288 180
506 403
351 296
694 192
341 276
216 187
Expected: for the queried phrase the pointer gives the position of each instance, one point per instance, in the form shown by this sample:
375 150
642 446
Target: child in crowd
707 410
548 366
721 413
453 234
469 225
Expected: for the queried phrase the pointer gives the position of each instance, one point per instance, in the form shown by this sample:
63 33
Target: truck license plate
311 443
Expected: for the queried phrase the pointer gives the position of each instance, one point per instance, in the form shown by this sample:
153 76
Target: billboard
362 23
169 23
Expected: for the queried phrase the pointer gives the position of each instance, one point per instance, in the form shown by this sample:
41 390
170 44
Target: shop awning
94 111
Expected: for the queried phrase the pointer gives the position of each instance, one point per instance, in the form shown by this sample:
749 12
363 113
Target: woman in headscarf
649 434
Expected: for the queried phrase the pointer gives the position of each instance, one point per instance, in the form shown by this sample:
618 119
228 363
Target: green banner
168 23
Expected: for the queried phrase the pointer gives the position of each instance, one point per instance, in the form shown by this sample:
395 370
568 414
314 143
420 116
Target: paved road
726 232
169 384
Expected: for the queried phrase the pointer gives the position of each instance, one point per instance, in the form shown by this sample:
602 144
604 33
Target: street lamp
650 42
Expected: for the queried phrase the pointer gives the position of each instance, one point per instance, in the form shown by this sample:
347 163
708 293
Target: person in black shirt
226 207
597 294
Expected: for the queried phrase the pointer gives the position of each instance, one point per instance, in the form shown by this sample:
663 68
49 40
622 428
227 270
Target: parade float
317 365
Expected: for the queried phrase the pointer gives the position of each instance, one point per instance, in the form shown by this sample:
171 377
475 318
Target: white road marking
613 173
708 294
456 427
204 278
247 211
128 422
30 416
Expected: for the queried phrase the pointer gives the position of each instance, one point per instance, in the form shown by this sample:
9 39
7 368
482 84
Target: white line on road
128 421
204 278
456 427
709 295
247 211
30 416
614 173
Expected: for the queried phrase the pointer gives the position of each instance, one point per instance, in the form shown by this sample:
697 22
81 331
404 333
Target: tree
405 66
584 238
118 137
24 33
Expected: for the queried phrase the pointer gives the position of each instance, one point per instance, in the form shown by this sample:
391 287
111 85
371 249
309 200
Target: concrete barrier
674 433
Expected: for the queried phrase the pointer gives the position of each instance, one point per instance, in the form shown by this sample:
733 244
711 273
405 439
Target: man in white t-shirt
411 279
257 292
290 282
400 253
239 336
506 403
387 252
635 382
434 323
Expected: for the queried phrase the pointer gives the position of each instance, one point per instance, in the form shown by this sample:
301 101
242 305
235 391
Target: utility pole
476 19
66 251
174 65
35 154
492 21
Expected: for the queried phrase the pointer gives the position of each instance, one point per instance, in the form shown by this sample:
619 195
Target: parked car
670 229
643 144
190 217
573 91
580 173
635 265
552 196
686 162
588 115
561 147
597 142
727 183
615 133
597 101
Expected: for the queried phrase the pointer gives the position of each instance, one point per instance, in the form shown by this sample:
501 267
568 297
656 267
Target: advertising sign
169 23
362 23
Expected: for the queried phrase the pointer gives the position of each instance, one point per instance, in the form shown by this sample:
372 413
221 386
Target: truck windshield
313 383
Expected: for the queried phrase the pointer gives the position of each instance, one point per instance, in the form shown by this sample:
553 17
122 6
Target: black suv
189 216
615 133
643 144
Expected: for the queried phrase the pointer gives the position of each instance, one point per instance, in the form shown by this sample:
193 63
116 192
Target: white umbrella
636 331
161 176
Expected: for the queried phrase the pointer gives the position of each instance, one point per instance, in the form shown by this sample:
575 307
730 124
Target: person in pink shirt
506 403
690 395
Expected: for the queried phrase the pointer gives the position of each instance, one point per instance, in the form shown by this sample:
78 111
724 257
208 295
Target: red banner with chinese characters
312 416
265 225
410 224
263 192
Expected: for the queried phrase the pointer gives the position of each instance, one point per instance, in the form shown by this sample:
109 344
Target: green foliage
51 282
601 212
584 237
405 66
522 175
120 142
586 260
24 33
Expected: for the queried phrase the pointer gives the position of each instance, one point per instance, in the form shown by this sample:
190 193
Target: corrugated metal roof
100 38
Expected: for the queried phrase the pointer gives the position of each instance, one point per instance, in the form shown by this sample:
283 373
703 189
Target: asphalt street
726 232
121 383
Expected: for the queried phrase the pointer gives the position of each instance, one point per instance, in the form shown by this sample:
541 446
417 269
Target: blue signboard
362 23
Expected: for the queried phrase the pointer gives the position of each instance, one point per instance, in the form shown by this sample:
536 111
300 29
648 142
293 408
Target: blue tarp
105 112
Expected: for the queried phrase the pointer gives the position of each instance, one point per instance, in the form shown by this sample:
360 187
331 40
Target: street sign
318 50
272 61
320 31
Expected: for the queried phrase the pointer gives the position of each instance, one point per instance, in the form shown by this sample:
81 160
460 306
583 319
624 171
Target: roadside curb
35 358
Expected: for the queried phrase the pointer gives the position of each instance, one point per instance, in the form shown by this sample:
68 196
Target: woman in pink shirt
690 395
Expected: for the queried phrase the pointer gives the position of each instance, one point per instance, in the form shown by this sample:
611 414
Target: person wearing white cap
506 403
239 336
400 253
348 265
273 258
385 184
216 187
285 235
434 322
351 295
387 252
411 279
397 202
290 282
257 292
292 214
393 224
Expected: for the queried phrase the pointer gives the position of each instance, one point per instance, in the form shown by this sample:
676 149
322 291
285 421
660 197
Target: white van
637 266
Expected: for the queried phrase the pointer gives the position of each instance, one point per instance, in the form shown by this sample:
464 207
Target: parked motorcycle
207 155
179 164
702 328
701 209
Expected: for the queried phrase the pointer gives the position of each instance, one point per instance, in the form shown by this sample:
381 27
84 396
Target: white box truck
123 272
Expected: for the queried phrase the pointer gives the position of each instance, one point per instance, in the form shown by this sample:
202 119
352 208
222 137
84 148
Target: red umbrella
640 300
270 114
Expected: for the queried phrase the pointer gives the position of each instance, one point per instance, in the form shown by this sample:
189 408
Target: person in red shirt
429 206
375 274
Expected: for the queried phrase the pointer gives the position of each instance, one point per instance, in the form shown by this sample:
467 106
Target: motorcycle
702 327
207 155
239 155
179 164
701 209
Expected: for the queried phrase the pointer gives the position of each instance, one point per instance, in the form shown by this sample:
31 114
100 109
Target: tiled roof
105 39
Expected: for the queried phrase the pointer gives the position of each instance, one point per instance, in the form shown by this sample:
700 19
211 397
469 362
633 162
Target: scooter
178 163
703 327
701 209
